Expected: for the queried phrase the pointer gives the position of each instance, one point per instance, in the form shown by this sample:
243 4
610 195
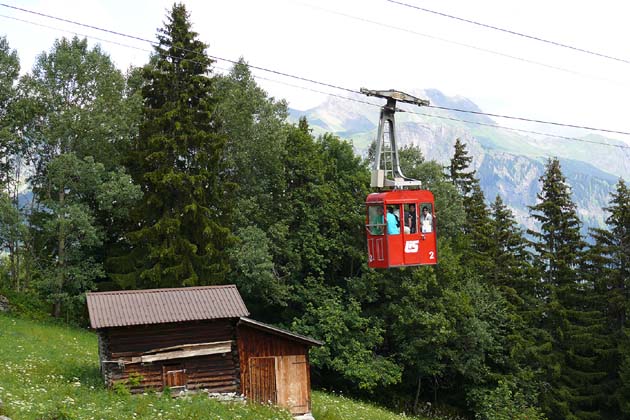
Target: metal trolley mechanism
400 224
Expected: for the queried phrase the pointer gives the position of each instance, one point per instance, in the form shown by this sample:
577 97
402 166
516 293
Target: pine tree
478 230
514 275
512 271
183 216
609 268
568 314
458 175
476 239
614 250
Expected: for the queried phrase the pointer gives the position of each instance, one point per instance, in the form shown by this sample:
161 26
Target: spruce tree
476 239
613 253
514 275
478 230
512 271
457 170
609 268
182 218
568 315
509 251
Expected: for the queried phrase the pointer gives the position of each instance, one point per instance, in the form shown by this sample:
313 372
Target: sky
379 44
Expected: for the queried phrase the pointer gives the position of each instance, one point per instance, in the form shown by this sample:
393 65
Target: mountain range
508 163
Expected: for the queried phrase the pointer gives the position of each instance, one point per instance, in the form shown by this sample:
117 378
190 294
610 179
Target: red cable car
400 222
401 229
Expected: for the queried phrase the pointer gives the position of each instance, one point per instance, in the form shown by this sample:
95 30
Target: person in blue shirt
393 225
378 221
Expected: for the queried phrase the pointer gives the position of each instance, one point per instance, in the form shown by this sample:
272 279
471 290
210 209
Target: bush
120 388
504 403
5 281
27 304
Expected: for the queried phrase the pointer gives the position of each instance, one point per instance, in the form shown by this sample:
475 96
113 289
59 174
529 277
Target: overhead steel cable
85 25
154 43
461 44
621 146
76 33
530 120
304 79
511 32
347 89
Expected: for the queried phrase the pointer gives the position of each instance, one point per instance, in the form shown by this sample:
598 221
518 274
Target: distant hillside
508 163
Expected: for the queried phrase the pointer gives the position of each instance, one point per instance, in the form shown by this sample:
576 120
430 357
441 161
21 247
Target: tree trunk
415 403
15 280
13 241
61 254
435 388
17 268
56 309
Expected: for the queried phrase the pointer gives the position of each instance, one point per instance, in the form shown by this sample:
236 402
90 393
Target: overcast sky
381 45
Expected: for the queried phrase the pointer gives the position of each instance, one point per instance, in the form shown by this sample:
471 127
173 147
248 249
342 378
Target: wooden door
262 380
294 384
174 376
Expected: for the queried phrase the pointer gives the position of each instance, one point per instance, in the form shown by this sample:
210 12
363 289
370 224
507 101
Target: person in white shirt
426 220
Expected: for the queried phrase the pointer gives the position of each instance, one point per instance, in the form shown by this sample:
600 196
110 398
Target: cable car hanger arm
386 172
396 96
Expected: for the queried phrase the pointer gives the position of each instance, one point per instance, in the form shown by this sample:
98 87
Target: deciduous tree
78 122
11 154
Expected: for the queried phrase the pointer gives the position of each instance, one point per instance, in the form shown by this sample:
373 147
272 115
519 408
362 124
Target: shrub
504 403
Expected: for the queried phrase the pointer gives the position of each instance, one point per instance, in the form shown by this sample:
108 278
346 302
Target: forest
172 175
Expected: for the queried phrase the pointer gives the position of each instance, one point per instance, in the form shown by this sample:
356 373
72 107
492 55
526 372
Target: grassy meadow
50 372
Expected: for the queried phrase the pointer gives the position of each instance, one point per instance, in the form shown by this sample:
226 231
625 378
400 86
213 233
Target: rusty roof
279 331
157 306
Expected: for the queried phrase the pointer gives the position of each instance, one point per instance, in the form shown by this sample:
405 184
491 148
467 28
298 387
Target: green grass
336 407
50 372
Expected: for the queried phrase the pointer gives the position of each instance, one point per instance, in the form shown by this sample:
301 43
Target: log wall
216 372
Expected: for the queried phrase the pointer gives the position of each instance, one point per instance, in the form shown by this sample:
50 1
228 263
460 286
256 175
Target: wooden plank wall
263 380
293 381
255 343
216 373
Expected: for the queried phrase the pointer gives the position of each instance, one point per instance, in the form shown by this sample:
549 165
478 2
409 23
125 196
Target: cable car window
393 220
376 220
426 218
411 220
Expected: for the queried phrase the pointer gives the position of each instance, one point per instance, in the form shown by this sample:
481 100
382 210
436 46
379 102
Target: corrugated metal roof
279 331
157 306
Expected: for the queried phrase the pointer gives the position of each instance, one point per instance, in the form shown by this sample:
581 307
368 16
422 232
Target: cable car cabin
401 229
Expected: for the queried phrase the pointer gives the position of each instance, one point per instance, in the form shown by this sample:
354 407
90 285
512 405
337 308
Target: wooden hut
198 338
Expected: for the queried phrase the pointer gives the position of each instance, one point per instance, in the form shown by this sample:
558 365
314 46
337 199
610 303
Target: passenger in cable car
410 219
426 220
393 225
376 220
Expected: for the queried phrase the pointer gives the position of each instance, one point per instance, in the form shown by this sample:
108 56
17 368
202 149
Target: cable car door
411 235
376 240
427 236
